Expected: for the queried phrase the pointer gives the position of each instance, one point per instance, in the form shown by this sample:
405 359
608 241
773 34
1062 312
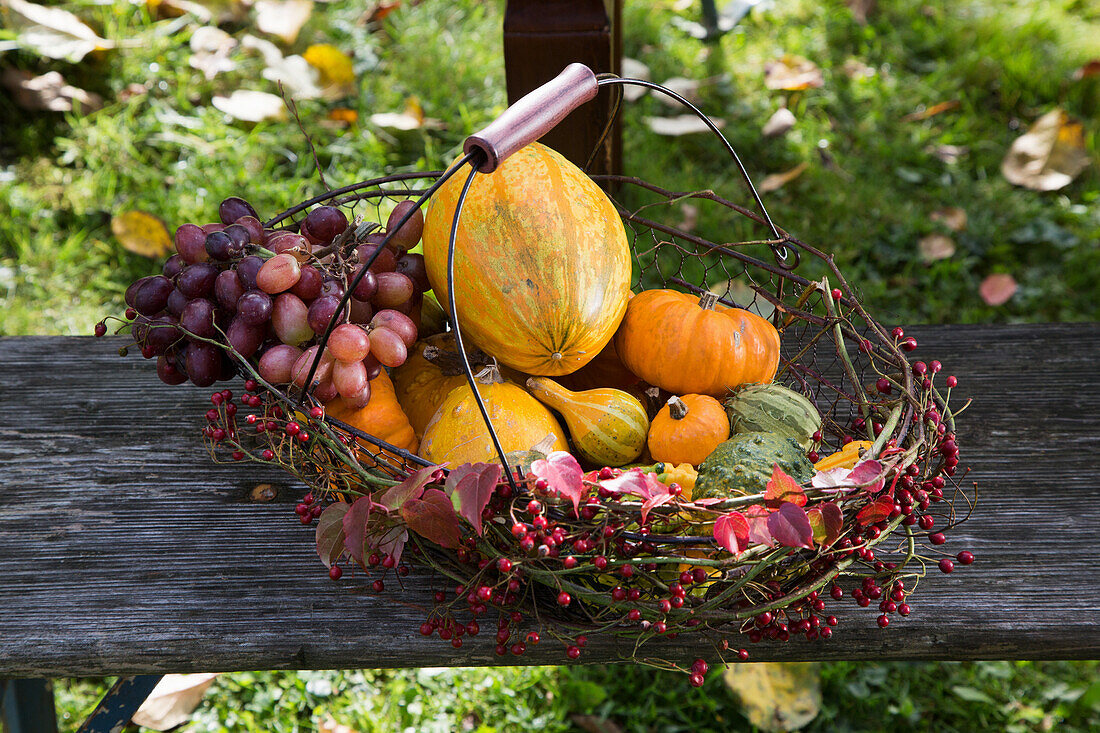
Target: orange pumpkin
382 417
687 344
688 429
542 263
457 432
422 385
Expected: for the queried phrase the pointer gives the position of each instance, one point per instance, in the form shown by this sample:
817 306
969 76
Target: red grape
213 227
247 269
176 302
172 266
291 243
152 296
197 280
387 347
277 362
305 362
324 223
168 372
234 208
412 265
204 363
407 236
220 246
349 377
383 263
349 342
397 322
254 307
290 319
197 318
191 243
278 274
393 289
309 284
255 229
332 286
367 286
360 399
326 391
373 366
321 312
244 337
360 312
228 289
133 288
161 334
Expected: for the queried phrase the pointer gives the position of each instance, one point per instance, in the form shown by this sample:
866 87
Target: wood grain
124 550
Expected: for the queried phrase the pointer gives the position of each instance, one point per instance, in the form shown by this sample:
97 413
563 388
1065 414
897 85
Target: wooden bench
125 551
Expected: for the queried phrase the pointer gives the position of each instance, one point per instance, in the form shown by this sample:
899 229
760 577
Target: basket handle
532 116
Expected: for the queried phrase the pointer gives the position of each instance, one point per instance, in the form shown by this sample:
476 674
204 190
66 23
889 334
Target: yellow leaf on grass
334 64
776 181
412 118
1049 155
141 233
776 696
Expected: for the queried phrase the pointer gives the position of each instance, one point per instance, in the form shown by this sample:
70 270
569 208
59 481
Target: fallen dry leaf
634 69
936 247
949 153
283 18
132 90
48 92
997 289
329 725
792 72
381 9
297 78
776 181
779 123
856 69
1092 68
141 233
952 217
681 125
53 32
776 696
249 106
172 701
412 118
210 49
1049 155
686 88
926 112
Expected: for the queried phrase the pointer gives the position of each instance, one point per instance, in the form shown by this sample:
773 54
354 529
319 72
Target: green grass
867 198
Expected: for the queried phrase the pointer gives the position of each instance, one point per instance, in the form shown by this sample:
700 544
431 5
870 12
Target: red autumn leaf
470 487
757 517
330 533
827 520
411 488
869 475
562 474
731 532
355 528
643 485
790 526
877 511
782 487
392 542
433 518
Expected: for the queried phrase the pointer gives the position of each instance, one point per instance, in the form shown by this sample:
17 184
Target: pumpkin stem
676 408
707 301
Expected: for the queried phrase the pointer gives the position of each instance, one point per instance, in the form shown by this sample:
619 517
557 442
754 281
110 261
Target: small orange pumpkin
688 429
382 417
691 345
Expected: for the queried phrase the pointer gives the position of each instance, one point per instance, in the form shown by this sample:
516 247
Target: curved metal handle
531 117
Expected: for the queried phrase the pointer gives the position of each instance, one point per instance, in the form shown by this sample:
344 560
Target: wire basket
611 569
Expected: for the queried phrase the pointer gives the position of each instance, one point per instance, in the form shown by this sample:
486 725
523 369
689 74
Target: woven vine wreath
743 444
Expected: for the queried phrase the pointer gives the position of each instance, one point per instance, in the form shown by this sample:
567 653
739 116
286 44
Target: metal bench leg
120 703
26 706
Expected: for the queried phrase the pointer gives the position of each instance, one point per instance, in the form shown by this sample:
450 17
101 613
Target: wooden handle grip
532 116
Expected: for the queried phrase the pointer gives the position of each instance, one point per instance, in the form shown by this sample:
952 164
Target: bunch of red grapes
271 294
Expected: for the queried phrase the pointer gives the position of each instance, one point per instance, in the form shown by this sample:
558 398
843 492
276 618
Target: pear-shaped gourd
608 426
456 434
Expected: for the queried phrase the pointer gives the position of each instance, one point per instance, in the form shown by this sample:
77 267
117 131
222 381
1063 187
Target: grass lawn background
868 194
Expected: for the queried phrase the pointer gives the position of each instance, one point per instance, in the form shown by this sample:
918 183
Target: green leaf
971 694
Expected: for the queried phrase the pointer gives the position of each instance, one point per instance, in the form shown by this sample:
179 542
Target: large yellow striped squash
608 426
542 263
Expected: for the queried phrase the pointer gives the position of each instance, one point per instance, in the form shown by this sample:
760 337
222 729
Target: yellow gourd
608 426
456 434
846 457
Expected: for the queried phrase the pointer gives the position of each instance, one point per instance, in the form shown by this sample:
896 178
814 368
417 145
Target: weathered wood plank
124 550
